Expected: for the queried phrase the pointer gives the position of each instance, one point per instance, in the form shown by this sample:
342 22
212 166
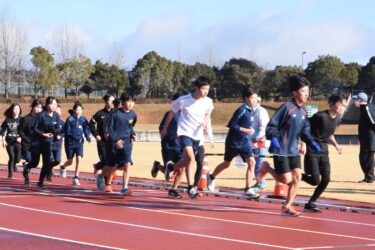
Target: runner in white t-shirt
195 115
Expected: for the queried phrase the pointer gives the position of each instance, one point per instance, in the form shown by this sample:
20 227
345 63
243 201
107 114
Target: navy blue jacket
120 125
74 130
44 123
57 143
242 117
171 140
288 124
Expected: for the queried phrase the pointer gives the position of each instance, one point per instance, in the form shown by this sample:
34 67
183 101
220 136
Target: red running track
66 217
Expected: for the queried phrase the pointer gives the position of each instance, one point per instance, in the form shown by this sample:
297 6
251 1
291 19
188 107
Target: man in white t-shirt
195 115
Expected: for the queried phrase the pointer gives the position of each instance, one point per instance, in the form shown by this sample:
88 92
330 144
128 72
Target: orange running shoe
108 188
263 171
289 211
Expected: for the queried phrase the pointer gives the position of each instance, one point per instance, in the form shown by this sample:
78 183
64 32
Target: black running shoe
40 185
173 194
311 207
155 169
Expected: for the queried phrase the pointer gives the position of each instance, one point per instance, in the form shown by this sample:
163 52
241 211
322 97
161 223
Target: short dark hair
106 97
296 82
36 102
201 81
116 102
75 106
246 92
8 113
335 98
126 97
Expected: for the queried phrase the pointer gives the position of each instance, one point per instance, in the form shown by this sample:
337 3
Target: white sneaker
62 172
76 182
210 183
251 194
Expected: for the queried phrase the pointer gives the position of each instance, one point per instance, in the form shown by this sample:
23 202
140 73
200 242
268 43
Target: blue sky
268 32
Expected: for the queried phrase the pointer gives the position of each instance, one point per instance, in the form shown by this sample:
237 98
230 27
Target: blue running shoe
100 182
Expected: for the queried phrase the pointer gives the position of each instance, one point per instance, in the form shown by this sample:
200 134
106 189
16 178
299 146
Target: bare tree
117 56
12 47
68 43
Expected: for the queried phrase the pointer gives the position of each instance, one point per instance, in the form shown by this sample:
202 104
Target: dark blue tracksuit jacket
288 124
57 143
242 117
44 123
74 130
120 125
171 140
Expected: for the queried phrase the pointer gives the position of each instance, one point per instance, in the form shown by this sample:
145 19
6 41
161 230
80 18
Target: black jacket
26 131
366 127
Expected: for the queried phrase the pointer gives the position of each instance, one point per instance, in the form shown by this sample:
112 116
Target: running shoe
193 193
173 194
76 182
263 172
62 171
15 168
155 169
108 188
311 207
168 168
100 182
10 175
289 211
251 194
210 183
126 192
49 176
40 185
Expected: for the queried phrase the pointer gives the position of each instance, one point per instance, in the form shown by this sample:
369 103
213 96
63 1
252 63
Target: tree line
155 76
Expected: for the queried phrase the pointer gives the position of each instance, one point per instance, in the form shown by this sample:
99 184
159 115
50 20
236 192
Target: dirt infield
345 171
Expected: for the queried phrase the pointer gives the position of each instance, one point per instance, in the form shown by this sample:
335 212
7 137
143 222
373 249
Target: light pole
303 52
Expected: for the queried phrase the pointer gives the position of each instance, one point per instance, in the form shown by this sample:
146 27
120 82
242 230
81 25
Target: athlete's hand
4 143
19 139
339 149
47 134
134 137
275 143
58 137
248 131
302 148
119 144
98 138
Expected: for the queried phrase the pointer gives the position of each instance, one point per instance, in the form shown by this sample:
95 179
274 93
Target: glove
275 143
316 147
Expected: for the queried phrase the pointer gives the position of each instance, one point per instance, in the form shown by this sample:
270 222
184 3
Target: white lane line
339 246
263 212
143 226
260 211
59 239
217 219
13 196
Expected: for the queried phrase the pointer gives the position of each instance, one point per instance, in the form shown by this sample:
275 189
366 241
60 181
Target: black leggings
316 166
45 150
14 153
102 152
199 159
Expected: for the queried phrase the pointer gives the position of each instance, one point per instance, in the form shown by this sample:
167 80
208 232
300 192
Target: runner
237 142
323 125
12 140
195 110
288 124
76 126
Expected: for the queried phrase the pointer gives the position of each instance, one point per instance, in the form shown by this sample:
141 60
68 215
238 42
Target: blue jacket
288 124
57 143
74 130
120 125
43 123
242 117
171 140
